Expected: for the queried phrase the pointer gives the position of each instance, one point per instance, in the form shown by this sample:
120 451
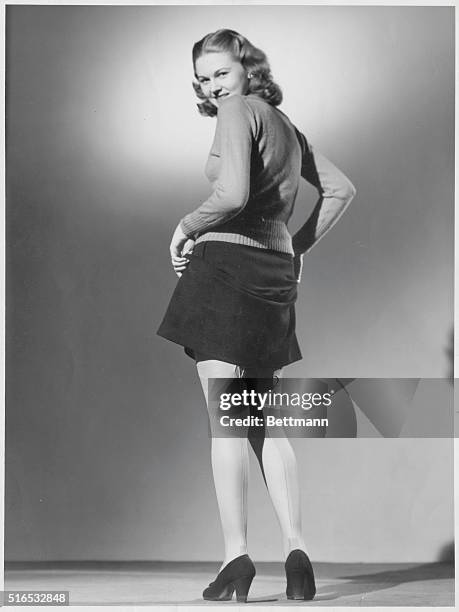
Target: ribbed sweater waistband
270 234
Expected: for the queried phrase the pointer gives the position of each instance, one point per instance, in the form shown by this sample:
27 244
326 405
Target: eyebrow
200 76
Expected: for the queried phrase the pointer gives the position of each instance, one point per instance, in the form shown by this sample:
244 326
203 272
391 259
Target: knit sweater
255 164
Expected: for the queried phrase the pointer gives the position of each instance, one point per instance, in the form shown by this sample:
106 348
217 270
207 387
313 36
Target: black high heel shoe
236 576
300 576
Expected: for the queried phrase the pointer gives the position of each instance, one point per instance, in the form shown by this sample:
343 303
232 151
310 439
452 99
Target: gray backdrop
107 454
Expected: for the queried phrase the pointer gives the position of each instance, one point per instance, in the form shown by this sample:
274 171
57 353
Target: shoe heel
300 586
296 584
309 586
300 577
242 586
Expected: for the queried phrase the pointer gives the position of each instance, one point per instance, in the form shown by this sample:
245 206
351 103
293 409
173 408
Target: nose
214 88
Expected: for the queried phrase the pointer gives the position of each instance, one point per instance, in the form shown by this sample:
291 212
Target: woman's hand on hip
181 246
298 267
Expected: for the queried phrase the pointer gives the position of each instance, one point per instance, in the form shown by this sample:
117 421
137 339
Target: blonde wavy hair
253 60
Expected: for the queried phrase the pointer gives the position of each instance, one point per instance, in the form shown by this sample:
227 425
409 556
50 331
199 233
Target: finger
180 264
176 250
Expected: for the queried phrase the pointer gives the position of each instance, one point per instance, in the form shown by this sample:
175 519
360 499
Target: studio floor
180 584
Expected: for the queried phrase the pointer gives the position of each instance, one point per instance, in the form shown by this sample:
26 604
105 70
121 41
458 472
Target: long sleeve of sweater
335 194
231 190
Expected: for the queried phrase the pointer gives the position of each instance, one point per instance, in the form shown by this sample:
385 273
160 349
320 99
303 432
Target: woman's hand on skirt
181 246
298 267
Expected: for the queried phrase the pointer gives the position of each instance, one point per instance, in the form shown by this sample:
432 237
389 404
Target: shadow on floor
359 584
181 584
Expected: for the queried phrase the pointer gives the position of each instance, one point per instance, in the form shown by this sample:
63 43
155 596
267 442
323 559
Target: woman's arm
231 191
336 193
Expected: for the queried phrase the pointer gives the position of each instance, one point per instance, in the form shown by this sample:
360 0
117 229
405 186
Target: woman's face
220 76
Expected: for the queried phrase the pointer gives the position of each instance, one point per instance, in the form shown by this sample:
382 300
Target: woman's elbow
350 191
347 191
341 188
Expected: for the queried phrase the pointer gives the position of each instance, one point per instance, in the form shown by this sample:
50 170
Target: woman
238 267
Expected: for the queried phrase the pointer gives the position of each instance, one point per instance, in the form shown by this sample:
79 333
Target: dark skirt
235 303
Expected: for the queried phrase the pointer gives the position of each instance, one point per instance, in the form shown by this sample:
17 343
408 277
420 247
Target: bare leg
230 466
